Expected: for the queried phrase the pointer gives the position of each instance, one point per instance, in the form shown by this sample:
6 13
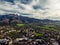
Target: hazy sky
41 9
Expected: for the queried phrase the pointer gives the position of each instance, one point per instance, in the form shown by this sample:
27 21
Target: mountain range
22 19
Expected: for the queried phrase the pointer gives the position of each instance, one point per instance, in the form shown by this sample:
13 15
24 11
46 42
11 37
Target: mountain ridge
24 19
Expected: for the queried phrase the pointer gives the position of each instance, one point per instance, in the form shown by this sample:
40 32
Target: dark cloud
37 7
26 1
11 1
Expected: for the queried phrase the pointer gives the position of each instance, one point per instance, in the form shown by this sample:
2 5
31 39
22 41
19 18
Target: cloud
40 9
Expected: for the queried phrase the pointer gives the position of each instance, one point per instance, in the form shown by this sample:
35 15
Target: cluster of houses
48 38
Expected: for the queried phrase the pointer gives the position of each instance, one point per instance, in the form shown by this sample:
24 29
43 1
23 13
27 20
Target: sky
39 9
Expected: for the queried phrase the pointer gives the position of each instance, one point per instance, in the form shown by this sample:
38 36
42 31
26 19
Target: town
28 36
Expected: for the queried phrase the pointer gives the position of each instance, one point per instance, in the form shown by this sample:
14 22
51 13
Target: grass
20 25
49 27
46 27
38 34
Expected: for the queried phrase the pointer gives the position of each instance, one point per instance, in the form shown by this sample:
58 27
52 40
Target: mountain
22 19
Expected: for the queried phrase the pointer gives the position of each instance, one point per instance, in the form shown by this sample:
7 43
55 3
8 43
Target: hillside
21 19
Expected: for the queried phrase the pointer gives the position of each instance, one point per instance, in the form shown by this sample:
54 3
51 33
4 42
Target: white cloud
49 9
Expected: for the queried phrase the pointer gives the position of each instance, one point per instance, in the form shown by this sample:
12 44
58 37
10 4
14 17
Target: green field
20 25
